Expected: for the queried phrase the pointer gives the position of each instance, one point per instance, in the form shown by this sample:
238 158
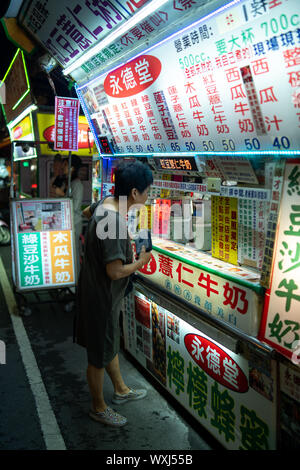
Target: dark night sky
8 50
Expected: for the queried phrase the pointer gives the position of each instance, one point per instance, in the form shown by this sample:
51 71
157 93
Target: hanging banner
281 322
44 254
66 124
213 383
211 88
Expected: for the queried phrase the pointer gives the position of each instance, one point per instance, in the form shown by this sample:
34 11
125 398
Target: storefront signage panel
289 406
69 28
43 244
46 128
216 87
157 26
213 383
281 322
17 96
23 131
66 123
221 298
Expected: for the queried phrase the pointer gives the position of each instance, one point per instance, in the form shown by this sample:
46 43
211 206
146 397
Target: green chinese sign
281 323
30 259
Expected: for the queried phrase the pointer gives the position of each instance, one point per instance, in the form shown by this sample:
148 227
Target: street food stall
31 129
192 89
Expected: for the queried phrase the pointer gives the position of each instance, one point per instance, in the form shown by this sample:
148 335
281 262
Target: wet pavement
44 397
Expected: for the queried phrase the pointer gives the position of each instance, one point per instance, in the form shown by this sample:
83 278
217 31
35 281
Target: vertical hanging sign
66 124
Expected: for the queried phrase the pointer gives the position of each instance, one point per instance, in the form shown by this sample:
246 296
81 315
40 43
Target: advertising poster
212 87
281 322
43 244
23 130
66 124
224 214
234 399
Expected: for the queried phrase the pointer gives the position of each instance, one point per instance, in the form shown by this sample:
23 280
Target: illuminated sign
176 163
232 395
281 323
43 244
66 123
105 147
23 131
69 28
231 299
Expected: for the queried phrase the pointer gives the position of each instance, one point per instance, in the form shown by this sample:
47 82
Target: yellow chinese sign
224 213
145 218
61 259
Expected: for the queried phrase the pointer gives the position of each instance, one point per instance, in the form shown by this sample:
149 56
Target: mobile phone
144 239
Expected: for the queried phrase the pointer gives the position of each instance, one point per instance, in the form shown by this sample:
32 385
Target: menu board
43 244
213 87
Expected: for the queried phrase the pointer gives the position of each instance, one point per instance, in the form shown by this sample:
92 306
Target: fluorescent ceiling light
24 113
147 10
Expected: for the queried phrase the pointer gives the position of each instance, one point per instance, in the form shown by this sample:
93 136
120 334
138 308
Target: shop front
214 316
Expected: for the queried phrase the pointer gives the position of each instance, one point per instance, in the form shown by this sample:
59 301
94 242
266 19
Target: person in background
106 268
58 181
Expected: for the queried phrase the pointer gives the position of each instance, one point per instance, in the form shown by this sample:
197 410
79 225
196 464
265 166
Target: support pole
69 176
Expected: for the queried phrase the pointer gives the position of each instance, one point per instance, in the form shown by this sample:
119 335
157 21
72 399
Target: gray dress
98 297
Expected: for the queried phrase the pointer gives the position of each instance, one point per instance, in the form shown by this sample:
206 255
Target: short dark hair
132 175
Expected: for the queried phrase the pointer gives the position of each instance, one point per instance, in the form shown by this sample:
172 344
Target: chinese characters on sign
281 323
224 215
196 93
224 299
66 123
43 244
212 382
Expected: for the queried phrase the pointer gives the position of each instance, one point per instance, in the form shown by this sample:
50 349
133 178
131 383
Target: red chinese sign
133 77
216 362
66 124
227 300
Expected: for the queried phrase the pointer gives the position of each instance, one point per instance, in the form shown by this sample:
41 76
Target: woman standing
107 265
